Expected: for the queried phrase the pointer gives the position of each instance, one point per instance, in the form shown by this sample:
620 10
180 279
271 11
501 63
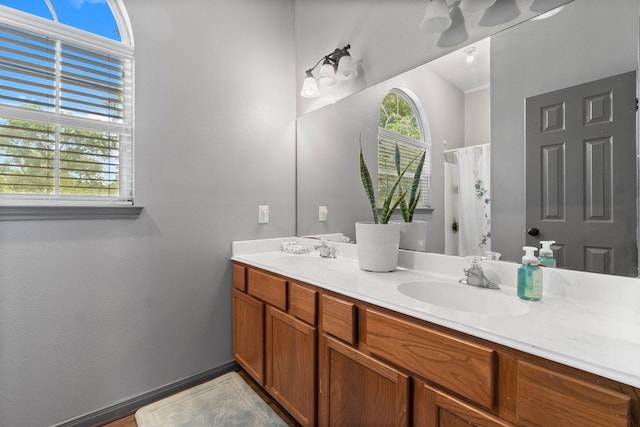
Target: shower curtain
468 201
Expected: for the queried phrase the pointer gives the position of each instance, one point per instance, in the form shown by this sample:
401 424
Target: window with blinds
399 123
65 115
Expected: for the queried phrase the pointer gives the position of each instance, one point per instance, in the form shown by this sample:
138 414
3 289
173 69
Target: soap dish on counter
295 248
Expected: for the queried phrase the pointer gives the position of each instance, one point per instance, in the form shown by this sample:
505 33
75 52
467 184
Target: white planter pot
413 235
377 246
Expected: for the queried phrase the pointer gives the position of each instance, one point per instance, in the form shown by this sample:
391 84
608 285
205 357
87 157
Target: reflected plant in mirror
389 201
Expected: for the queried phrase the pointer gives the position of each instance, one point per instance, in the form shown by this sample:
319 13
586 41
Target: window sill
22 213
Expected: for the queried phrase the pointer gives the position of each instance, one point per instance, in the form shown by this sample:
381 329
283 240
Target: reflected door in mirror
575 139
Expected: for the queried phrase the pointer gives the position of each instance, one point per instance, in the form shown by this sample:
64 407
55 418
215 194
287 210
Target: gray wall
477 117
601 42
95 312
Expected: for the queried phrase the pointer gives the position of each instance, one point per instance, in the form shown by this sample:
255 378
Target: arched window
66 103
402 121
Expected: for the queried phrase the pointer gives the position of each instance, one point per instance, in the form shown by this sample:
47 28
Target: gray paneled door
581 174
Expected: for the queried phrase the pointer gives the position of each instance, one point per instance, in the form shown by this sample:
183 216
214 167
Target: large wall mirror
586 41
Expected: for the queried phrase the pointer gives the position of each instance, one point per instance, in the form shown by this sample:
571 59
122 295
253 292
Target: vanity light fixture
457 33
472 6
546 15
446 17
502 11
436 17
337 65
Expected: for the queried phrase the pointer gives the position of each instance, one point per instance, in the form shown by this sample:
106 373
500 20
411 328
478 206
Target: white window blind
65 119
401 123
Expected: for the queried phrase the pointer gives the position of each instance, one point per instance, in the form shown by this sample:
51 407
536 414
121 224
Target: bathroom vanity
335 345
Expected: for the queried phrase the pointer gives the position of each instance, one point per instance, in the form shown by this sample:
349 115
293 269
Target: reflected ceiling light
335 65
471 6
436 17
457 32
470 54
543 5
500 12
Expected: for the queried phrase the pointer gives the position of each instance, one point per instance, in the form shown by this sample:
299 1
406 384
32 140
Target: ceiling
454 68
476 75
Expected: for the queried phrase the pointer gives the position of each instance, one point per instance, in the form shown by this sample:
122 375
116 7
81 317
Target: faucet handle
474 260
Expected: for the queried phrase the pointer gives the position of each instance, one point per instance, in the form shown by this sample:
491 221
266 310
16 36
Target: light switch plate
263 214
323 212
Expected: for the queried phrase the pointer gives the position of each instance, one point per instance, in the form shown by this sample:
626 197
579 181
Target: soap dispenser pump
546 254
529 276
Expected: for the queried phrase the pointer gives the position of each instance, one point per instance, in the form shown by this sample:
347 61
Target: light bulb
327 76
346 68
470 56
309 87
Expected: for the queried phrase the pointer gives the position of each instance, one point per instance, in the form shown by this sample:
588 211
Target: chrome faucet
474 275
325 250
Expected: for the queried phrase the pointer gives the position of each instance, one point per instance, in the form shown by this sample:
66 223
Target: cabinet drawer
546 397
268 288
339 318
303 302
240 277
463 367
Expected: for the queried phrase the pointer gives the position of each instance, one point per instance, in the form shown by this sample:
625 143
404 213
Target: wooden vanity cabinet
275 338
332 360
453 379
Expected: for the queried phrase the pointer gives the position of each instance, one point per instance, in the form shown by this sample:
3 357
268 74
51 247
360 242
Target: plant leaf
367 183
413 206
387 208
415 185
386 215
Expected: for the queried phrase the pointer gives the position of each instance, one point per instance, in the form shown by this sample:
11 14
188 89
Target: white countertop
584 320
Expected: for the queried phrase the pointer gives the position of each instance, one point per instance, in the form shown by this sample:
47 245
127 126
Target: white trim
123 21
58 212
20 113
27 22
94 43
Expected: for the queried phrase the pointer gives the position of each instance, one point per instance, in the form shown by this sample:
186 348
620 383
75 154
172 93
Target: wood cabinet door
433 408
357 390
291 349
248 334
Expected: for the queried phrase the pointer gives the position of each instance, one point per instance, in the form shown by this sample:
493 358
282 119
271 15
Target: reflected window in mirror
402 121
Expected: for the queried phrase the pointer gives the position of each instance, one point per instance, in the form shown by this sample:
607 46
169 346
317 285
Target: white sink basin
456 296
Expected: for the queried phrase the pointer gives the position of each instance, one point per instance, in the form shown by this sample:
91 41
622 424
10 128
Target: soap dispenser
529 276
546 254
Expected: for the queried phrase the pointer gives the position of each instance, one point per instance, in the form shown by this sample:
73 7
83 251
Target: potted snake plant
378 241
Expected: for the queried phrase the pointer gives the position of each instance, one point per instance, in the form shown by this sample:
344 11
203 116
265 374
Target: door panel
581 174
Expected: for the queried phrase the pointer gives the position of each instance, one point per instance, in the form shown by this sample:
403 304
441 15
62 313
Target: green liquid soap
530 282
547 261
529 276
